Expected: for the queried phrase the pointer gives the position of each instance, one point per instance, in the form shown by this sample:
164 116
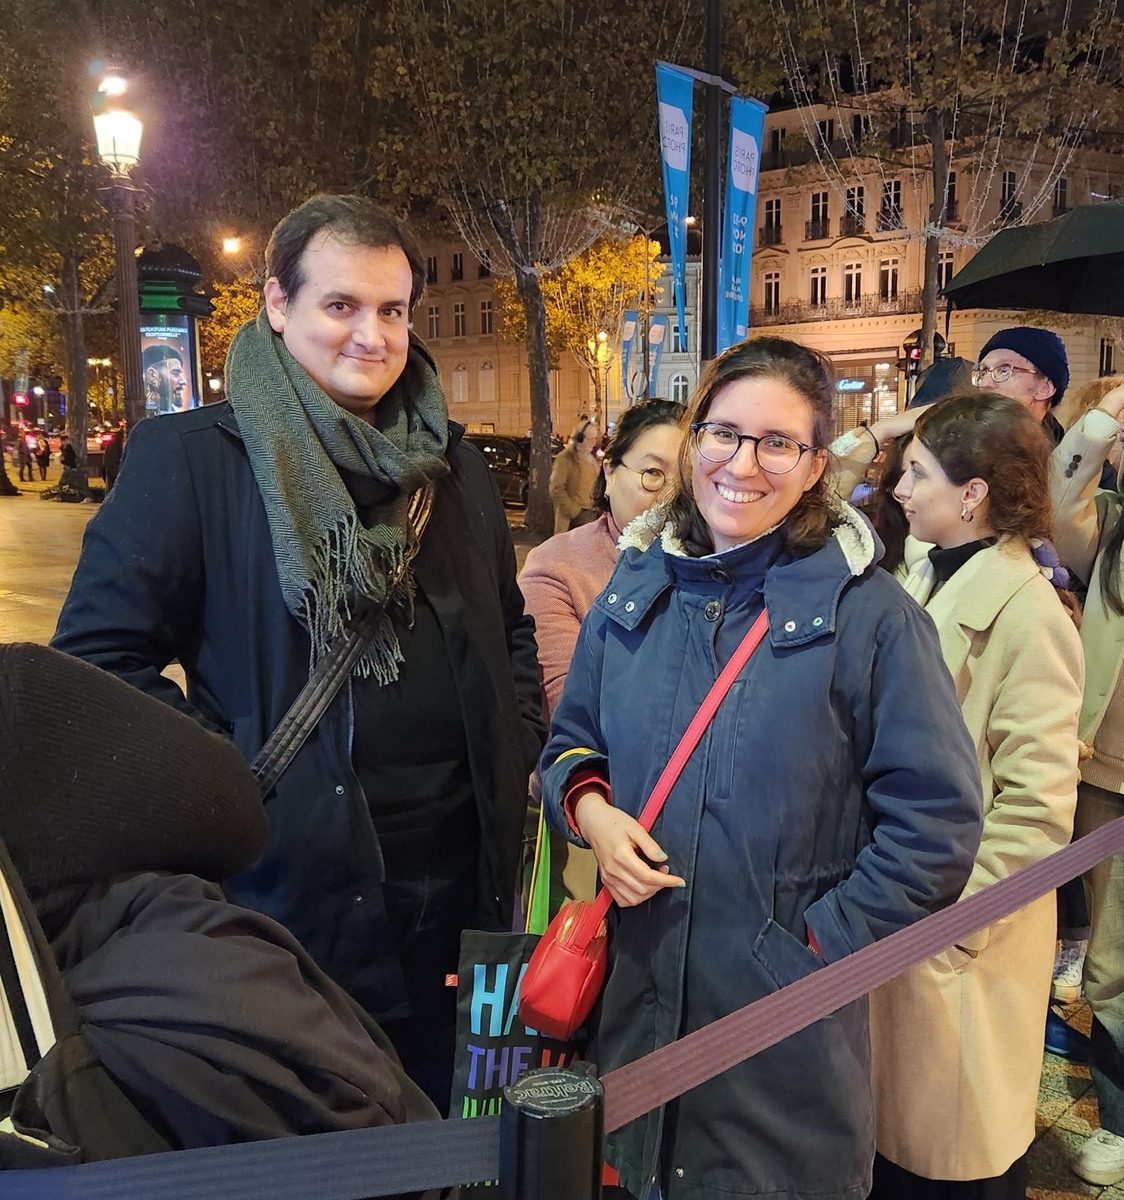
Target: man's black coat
178 564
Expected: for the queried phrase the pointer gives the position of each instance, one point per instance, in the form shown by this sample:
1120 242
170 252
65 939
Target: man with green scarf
242 539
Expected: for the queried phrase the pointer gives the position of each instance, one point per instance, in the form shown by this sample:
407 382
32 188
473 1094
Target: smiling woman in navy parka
834 800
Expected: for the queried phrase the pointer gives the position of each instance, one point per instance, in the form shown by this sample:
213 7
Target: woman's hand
897 425
1113 403
619 841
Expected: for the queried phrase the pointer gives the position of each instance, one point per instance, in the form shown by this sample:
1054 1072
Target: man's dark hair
352 219
155 355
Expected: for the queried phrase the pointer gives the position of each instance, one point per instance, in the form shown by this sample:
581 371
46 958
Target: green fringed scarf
299 440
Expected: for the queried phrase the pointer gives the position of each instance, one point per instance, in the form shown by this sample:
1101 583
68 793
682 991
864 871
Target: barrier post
552 1131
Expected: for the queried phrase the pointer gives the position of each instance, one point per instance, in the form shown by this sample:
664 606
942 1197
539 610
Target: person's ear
1045 389
276 303
973 494
819 465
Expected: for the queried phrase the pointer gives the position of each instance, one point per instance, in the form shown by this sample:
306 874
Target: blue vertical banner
675 92
657 336
747 128
629 324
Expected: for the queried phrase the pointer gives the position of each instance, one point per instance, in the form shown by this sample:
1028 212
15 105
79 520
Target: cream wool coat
957 1041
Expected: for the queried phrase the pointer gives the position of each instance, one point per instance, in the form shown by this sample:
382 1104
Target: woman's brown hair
983 435
809 524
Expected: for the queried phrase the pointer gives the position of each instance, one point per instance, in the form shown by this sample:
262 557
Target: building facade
839 259
838 264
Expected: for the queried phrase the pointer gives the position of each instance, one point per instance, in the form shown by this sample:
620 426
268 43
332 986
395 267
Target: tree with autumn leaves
584 298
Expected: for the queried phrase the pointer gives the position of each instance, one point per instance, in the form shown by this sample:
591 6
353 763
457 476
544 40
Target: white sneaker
1068 965
1101 1159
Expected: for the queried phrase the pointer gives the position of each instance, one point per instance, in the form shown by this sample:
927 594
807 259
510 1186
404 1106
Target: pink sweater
560 581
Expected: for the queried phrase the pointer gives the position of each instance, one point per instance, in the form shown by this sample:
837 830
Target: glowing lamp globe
119 139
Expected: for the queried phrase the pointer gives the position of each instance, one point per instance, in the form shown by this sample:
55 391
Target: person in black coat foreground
241 539
118 815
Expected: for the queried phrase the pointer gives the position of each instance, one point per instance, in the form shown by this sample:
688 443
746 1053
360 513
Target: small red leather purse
567 970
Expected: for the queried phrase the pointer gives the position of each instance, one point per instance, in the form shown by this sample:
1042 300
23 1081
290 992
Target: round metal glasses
652 479
775 453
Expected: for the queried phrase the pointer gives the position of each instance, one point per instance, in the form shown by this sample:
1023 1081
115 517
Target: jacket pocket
784 957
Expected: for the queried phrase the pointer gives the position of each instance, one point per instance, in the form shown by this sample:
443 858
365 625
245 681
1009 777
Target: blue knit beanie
1042 347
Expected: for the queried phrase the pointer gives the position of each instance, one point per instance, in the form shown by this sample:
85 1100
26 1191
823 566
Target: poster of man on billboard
166 365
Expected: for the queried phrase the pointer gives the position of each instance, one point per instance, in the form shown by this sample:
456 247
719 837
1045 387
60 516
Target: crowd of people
933 707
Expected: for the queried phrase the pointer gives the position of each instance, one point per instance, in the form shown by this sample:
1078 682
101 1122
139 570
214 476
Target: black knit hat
97 779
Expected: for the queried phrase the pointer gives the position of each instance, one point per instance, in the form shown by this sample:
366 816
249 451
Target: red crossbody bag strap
596 912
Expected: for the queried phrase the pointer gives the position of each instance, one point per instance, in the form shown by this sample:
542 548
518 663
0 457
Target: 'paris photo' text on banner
747 127
675 92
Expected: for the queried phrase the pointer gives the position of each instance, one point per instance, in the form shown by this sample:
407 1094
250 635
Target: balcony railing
769 235
889 219
852 225
793 312
817 230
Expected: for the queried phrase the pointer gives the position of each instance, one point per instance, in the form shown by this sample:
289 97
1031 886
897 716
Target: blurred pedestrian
956 1041
42 455
1090 535
572 478
244 538
111 457
23 457
834 800
562 577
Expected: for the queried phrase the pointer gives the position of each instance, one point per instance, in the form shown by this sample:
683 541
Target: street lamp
231 245
119 134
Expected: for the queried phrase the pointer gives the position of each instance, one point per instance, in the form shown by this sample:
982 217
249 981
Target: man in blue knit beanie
1029 365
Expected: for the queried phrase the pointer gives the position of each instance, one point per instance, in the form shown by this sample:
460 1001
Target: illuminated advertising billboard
168 363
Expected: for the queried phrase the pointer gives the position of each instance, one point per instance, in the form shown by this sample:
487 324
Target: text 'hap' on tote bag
494 1047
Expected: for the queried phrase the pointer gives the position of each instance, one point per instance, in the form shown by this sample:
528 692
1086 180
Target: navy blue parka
179 564
836 791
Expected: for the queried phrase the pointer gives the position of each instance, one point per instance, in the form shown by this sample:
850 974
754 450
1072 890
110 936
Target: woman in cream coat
957 1041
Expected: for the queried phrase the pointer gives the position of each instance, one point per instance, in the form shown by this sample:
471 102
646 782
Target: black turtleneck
947 562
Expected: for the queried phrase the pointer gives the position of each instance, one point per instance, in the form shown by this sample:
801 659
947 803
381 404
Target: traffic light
913 366
21 400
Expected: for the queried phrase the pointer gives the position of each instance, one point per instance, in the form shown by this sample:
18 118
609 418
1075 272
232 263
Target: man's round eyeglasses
776 453
652 479
999 374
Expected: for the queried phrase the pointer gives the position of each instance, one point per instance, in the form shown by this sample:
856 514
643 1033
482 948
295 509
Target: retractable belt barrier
419 1157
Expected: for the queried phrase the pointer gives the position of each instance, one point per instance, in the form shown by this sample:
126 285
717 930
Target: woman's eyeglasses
652 479
776 453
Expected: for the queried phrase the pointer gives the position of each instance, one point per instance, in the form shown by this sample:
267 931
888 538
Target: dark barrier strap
415 1158
393 1160
637 1088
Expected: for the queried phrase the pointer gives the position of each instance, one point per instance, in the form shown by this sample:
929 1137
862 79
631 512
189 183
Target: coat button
357 898
339 789
713 610
629 606
679 1172
817 622
720 576
612 597
790 626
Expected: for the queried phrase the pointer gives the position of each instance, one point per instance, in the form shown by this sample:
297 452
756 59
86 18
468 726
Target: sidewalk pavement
39 544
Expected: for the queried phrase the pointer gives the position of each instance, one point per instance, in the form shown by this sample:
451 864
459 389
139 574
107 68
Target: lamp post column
121 201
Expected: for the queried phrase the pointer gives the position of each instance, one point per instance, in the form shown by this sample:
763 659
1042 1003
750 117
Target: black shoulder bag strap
326 680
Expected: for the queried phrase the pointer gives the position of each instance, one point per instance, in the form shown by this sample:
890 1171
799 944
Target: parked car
509 460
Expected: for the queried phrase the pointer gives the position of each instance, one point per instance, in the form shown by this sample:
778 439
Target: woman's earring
965 515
